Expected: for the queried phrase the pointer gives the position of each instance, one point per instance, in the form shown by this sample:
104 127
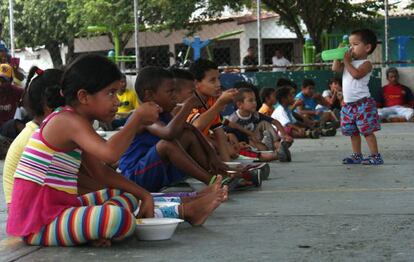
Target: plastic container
309 53
334 54
152 229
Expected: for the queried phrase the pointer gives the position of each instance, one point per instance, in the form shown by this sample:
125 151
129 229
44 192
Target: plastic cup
334 54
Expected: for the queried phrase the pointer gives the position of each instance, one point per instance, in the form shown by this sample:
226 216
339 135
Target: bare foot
213 187
225 195
197 211
205 191
101 243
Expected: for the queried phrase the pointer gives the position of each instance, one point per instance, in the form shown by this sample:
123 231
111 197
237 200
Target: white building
39 57
156 47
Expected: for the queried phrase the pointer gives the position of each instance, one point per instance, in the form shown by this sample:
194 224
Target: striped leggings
104 214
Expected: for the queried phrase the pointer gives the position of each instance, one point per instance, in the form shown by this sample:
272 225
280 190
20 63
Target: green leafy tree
53 22
42 23
317 16
117 16
156 15
321 16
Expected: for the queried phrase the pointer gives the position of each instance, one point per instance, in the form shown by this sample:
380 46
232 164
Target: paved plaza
313 209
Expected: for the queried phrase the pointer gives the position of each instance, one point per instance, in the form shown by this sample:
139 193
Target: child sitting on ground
256 128
40 98
333 97
128 101
184 89
283 113
268 98
206 117
166 152
359 115
44 197
305 104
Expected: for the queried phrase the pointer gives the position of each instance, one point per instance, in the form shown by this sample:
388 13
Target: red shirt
396 95
9 98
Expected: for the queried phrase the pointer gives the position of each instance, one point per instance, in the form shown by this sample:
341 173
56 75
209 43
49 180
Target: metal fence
226 40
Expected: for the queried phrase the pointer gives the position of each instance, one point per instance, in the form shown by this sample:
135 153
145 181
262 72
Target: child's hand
148 113
298 102
227 96
348 57
146 208
288 138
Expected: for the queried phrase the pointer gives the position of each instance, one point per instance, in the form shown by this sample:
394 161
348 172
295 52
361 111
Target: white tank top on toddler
355 89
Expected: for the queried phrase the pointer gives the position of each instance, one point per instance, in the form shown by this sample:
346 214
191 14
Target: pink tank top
45 184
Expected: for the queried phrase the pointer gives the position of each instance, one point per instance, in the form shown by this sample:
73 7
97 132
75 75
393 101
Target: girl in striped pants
45 208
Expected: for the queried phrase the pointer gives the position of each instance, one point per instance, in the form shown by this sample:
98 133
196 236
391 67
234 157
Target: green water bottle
337 53
334 54
308 53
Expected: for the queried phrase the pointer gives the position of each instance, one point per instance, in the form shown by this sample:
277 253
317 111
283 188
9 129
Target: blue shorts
152 173
360 117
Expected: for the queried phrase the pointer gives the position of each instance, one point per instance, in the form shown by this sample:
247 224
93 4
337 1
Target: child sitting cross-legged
283 113
256 129
305 105
268 98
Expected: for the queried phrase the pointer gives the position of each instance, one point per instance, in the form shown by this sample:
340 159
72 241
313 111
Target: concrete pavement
313 209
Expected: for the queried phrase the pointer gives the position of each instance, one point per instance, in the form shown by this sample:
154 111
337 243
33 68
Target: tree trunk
71 51
316 39
54 52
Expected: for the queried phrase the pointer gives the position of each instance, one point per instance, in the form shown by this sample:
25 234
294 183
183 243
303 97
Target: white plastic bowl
151 229
232 164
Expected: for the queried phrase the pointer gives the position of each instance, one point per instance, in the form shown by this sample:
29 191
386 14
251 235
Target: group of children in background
59 172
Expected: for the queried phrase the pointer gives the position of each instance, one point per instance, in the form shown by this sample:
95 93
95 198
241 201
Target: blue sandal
373 160
353 159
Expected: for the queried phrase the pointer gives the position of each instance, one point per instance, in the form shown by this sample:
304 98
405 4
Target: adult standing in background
250 60
279 60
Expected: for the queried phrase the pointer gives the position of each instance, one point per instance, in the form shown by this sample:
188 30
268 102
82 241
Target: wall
321 77
148 38
270 30
40 58
399 26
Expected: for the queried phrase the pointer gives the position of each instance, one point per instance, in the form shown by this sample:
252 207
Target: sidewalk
313 209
